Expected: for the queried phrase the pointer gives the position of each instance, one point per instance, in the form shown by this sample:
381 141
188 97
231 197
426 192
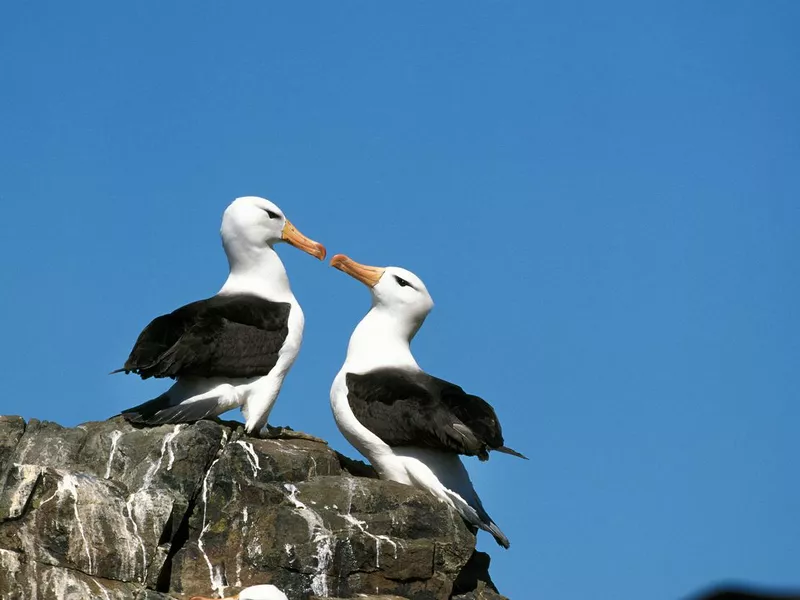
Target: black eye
272 215
402 282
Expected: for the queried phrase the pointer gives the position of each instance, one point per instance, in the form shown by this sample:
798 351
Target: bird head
250 223
395 290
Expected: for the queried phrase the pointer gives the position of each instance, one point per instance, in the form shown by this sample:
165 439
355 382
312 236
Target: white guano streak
147 480
151 472
252 457
115 435
362 525
135 528
215 576
320 535
68 484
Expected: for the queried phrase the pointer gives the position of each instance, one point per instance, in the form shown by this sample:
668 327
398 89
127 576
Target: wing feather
409 408
222 336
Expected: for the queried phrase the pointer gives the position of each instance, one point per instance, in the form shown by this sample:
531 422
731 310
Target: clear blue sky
603 199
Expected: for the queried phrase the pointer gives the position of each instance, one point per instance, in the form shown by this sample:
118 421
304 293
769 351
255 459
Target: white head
252 224
254 592
250 227
396 293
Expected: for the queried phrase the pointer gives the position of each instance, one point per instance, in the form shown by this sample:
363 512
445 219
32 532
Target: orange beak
298 240
369 276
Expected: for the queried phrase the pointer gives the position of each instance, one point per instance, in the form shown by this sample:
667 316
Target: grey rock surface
105 510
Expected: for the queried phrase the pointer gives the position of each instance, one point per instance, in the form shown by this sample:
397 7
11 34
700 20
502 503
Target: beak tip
367 275
337 260
298 240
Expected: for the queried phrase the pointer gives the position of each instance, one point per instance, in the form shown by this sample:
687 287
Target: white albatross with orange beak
236 347
411 426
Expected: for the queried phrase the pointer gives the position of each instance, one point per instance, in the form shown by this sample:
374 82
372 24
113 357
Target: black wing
223 336
406 408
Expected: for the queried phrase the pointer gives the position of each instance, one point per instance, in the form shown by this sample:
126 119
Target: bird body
235 348
410 425
441 472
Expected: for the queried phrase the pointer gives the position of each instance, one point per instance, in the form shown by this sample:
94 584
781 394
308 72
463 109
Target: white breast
375 343
261 394
294 338
367 443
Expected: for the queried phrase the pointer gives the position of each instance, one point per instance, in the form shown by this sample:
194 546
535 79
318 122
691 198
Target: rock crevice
106 510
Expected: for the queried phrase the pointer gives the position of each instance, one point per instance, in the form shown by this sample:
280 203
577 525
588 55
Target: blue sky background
603 199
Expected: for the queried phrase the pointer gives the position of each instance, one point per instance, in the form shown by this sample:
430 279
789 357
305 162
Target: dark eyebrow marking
402 282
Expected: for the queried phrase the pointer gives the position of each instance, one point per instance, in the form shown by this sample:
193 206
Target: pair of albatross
235 349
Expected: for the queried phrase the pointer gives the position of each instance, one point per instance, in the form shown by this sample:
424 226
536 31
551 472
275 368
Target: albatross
236 347
411 426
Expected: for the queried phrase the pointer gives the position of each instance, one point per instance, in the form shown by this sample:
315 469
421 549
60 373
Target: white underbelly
436 471
291 345
261 394
429 469
373 448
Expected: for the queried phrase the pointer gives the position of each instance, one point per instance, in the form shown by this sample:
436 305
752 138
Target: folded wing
406 408
222 336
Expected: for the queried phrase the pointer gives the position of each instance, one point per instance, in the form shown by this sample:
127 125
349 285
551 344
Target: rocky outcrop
108 511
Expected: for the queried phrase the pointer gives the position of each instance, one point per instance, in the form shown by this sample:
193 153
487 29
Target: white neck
257 271
381 339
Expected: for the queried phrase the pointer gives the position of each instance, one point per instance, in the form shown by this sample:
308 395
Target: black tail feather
477 516
487 524
498 535
159 411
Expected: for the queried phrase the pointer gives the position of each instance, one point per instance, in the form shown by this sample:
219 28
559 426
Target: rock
107 510
473 581
484 591
11 429
25 579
